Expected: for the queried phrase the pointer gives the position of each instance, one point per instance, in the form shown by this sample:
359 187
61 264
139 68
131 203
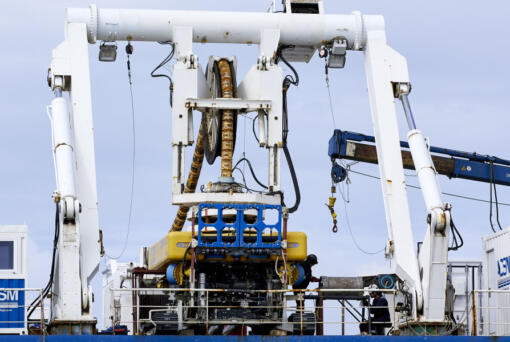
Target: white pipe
262 129
63 147
224 27
425 170
202 294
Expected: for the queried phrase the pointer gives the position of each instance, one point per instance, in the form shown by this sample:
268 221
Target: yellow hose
227 145
191 184
227 126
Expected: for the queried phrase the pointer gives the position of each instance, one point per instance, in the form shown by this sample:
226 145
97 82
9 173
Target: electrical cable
287 81
129 51
242 174
162 64
456 244
37 301
253 128
251 171
444 193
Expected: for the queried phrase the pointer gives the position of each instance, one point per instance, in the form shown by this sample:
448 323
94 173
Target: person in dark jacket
310 261
379 315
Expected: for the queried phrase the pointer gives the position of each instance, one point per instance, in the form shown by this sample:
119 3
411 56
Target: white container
496 266
13 276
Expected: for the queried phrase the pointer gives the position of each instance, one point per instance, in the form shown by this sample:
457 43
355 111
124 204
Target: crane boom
451 163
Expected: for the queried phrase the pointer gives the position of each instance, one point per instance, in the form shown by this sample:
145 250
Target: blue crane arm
452 163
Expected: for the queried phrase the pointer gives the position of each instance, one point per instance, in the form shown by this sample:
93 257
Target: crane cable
129 52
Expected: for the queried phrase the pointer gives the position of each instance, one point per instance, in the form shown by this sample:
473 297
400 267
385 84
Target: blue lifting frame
471 166
239 226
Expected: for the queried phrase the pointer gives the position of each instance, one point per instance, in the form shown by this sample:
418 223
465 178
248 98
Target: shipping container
496 294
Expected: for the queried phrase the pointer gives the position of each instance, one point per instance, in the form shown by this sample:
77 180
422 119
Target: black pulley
213 117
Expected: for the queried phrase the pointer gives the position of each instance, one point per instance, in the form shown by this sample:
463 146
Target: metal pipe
407 110
425 170
202 294
224 27
58 92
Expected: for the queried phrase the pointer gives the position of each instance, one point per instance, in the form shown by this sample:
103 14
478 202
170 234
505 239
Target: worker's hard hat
312 259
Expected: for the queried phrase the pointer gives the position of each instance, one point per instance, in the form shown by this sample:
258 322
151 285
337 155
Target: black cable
491 186
444 193
455 234
242 174
287 81
37 301
253 129
160 65
294 179
251 170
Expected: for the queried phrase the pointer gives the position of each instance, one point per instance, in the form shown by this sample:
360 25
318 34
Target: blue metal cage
240 227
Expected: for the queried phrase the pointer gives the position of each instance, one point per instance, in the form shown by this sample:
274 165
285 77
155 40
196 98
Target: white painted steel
117 275
224 27
78 253
433 262
266 85
64 159
226 103
384 66
433 258
261 119
425 170
204 197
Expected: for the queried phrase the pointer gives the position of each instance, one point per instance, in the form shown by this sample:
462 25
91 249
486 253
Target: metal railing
331 315
490 312
22 298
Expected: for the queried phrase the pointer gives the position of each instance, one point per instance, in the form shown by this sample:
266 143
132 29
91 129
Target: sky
457 54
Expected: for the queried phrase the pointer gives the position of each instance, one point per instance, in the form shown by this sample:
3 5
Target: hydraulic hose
227 126
227 145
194 174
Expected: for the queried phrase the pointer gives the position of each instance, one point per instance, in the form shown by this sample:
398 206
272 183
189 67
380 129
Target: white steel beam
228 103
224 27
384 67
79 251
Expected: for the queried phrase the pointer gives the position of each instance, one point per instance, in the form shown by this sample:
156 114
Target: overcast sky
457 53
